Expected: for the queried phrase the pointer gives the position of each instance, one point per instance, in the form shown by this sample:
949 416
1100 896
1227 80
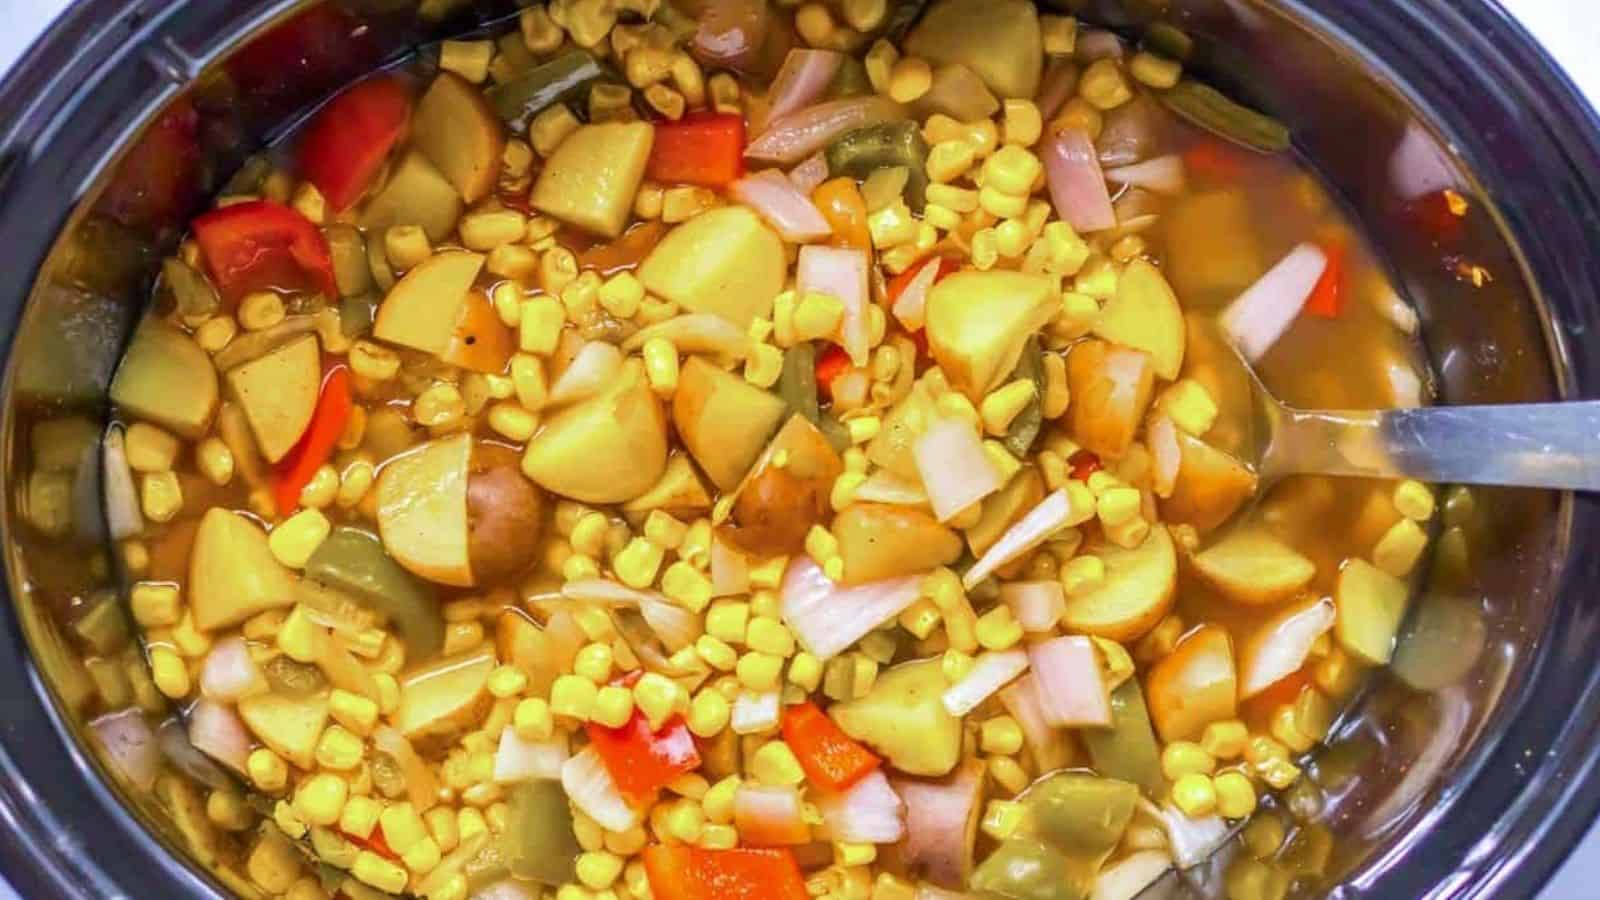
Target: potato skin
505 512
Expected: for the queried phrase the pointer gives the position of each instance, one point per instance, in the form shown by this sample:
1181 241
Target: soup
657 454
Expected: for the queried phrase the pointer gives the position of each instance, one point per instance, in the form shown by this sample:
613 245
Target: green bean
863 151
563 78
1207 108
1025 427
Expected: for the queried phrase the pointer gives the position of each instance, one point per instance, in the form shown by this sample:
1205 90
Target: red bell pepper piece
314 448
1327 298
833 760
642 761
830 365
1084 463
693 873
1214 160
346 143
259 245
703 149
375 842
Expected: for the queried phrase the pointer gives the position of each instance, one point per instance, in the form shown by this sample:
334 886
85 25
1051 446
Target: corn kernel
267 770
1008 773
985 249
1236 796
763 366
1190 406
1001 735
1002 818
817 316
533 720
160 496
775 764
949 160
1103 86
1004 404
1155 71
294 540
636 565
1225 739
718 801
260 310
727 621
1082 574
574 696
540 331
1181 758
658 697
1400 547
598 870
155 604
1195 795
149 449
910 78
594 662
661 365
375 871
998 629
216 333
760 672
169 672
664 529
709 713
1279 773
613 706
879 62
1000 204
769 635
1412 498
1012 170
854 855
1023 124
1059 34
1118 505
320 799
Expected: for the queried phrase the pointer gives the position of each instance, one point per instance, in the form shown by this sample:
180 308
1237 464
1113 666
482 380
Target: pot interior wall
1489 340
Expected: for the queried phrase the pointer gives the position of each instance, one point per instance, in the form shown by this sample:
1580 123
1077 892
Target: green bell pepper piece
1127 750
860 152
354 561
1025 869
559 80
538 843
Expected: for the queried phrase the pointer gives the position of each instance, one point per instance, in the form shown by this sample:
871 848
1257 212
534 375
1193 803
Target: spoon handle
1543 445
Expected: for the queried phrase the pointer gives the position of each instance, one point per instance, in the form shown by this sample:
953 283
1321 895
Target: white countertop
1569 28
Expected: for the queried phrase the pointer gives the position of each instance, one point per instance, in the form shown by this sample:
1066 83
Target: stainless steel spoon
1539 445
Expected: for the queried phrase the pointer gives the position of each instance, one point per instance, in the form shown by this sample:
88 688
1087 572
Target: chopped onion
770 816
1282 646
843 273
1039 525
755 713
589 786
942 823
803 78
1127 878
1162 174
1405 385
230 672
1418 166
519 760
1165 453
955 470
123 515
590 372
1056 86
1072 169
130 746
422 786
1258 317
989 673
1191 841
1036 605
1096 44
869 813
675 626
883 486
810 174
216 730
730 569
789 211
828 618
697 333
910 305
800 134
1022 700
173 738
1395 310
1072 689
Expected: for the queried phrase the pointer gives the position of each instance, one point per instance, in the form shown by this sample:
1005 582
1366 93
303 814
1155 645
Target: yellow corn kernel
661 365
679 204
821 544
682 821
1001 735
507 299
1012 170
879 62
155 604
598 869
1190 406
1103 86
1127 534
955 665
1008 773
507 681
1236 796
941 217
160 496
1155 71
775 764
985 249
356 713
215 461
949 160
470 823
267 770
1225 739
1023 124
760 672
512 422
815 25
1081 115
613 706
294 540
718 801
664 529
216 333
169 672
1412 498
1313 714
708 714
374 871
1286 730
149 449
921 618
260 310
763 366
725 93
1000 204
320 799
1004 404
338 749
854 855
1011 238
1279 773
469 59
227 810
594 662
542 319
658 697
716 653
769 635
1400 547
805 671
406 246
817 316
373 362
910 78
997 629
1195 795
574 696
1059 34
1082 574
1117 505
550 127
1181 758
620 295
533 720
1002 818
637 563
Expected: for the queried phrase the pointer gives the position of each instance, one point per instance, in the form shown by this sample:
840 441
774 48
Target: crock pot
112 131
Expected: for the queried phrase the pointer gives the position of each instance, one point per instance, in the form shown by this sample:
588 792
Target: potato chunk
1370 604
1144 314
289 726
278 393
978 322
1138 590
878 540
903 717
608 449
232 572
997 39
1252 567
1111 388
1194 685
423 309
445 697
422 510
725 261
591 179
167 379
458 132
724 420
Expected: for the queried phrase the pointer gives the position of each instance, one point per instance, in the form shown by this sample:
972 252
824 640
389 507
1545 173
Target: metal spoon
1539 445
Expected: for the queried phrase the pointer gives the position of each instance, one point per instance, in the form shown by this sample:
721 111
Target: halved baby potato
423 309
167 379
609 448
1111 388
1194 685
422 510
1144 314
977 324
457 130
480 341
724 420
1198 484
1137 592
289 726
725 261
416 193
1252 567
232 572
777 504
591 179
446 696
679 490
880 540
278 393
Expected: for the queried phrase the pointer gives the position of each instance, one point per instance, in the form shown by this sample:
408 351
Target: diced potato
1137 590
416 193
1003 508
480 341
725 261
1371 604
997 39
232 572
289 726
1144 314
167 379
904 423
878 540
1253 567
278 393
505 512
608 449
1279 646
680 489
1111 388
446 696
593 176
423 309
723 420
903 717
1207 486
522 643
422 510
1194 685
459 133
978 322
779 503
